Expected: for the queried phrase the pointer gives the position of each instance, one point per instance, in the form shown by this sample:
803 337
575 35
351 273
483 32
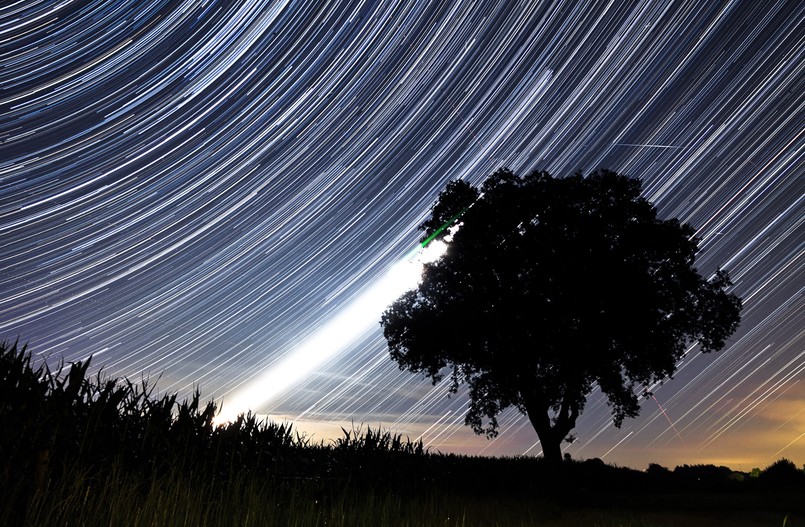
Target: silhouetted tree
549 287
782 473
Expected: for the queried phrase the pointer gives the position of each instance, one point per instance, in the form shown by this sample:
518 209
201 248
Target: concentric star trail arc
198 189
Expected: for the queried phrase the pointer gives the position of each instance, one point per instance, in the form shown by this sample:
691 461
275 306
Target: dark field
94 451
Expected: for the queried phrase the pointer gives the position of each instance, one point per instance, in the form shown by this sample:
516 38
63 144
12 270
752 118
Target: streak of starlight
197 188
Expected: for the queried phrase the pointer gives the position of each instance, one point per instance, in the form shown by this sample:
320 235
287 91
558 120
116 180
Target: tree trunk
550 435
551 448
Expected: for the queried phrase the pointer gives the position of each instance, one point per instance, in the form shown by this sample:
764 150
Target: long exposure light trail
358 317
667 418
195 190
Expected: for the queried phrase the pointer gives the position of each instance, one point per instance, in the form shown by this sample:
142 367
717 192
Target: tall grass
89 450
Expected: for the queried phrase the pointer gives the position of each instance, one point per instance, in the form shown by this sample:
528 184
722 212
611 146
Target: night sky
203 191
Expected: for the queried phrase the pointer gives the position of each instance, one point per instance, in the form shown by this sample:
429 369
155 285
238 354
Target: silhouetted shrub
782 474
657 471
704 477
660 478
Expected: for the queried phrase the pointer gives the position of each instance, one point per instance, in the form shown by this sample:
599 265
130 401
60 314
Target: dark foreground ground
171 501
77 450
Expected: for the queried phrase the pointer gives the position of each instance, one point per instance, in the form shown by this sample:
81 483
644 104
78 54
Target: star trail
191 190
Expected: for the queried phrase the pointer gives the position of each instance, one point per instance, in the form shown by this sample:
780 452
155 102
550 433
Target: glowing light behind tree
357 318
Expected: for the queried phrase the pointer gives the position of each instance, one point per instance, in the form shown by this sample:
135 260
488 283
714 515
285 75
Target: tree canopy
550 287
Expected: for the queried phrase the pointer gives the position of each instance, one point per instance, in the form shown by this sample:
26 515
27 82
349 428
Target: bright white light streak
774 456
531 448
617 444
434 425
649 145
335 336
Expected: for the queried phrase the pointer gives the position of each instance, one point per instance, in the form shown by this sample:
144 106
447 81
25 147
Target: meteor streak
666 416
